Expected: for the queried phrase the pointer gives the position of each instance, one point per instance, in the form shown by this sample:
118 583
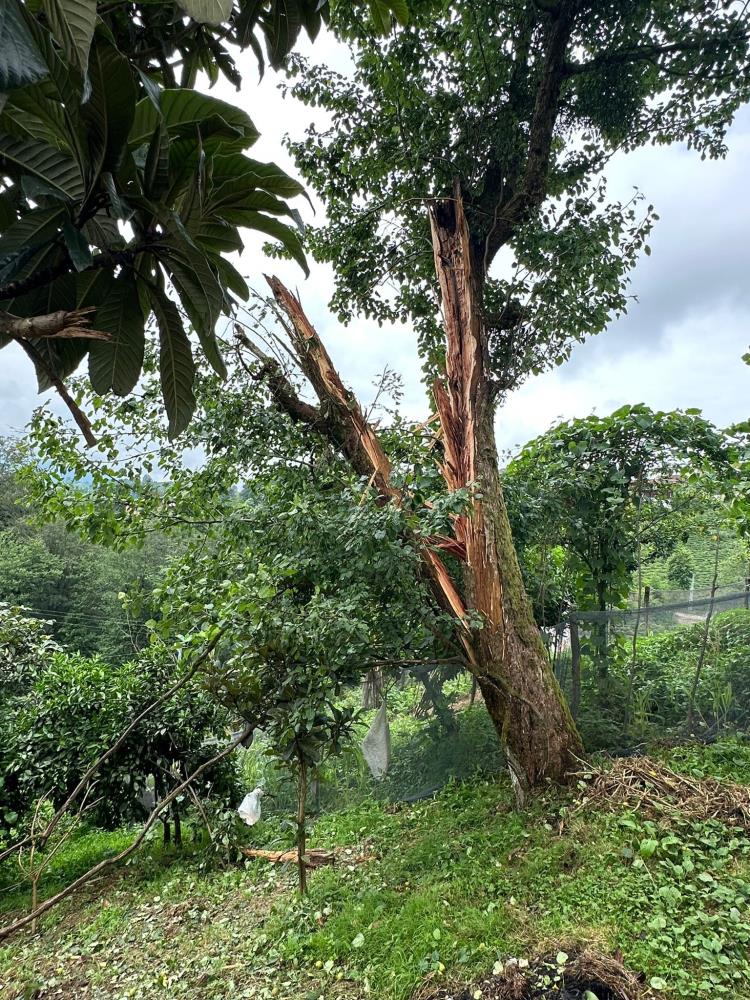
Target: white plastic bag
376 746
249 809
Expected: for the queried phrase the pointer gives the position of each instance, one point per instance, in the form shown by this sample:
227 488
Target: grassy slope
456 883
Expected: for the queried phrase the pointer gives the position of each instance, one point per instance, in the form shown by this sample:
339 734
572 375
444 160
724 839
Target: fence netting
420 728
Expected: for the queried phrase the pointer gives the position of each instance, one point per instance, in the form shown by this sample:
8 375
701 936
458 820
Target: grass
455 884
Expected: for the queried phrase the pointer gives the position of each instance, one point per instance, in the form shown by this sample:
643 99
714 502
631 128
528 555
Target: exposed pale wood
314 858
346 423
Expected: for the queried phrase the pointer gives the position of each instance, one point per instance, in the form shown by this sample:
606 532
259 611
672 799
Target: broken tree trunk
506 655
511 665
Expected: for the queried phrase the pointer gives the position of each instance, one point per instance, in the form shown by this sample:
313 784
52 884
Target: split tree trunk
506 655
512 667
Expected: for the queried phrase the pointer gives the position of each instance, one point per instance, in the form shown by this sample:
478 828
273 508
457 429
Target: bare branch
281 389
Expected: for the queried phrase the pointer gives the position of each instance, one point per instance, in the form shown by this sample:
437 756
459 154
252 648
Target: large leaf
36 227
108 114
282 29
31 113
233 199
199 290
280 231
176 368
156 170
215 236
381 11
56 100
77 246
21 61
182 110
207 11
232 279
268 176
103 232
115 365
72 23
50 165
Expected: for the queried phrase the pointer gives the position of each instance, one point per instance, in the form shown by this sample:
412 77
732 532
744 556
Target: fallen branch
653 788
313 859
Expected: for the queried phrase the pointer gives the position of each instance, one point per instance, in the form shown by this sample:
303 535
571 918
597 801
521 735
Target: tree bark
511 665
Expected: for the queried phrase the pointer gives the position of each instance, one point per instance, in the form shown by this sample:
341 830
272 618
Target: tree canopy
523 104
123 190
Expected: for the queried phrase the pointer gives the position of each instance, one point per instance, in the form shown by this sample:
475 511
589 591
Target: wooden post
575 669
301 833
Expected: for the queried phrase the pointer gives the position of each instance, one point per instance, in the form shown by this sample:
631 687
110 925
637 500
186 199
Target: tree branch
647 53
281 389
77 413
533 188
62 324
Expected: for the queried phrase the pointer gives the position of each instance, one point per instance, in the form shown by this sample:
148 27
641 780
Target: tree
76 709
611 489
680 568
501 117
119 182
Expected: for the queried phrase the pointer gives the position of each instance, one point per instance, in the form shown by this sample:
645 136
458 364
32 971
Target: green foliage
727 759
119 180
700 550
522 104
76 710
666 662
25 650
612 491
681 568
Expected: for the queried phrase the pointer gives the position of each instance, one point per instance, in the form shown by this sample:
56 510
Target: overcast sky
679 346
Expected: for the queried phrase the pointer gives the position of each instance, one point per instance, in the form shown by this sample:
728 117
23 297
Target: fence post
575 669
747 593
646 602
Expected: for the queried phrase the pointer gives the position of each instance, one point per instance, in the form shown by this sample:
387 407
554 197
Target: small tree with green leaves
681 568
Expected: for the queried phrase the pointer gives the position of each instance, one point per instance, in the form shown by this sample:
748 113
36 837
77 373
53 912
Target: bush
665 669
77 708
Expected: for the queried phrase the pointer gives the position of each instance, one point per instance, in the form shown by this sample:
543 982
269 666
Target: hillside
430 897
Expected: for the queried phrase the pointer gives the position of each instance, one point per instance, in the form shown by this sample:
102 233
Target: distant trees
613 492
71 582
